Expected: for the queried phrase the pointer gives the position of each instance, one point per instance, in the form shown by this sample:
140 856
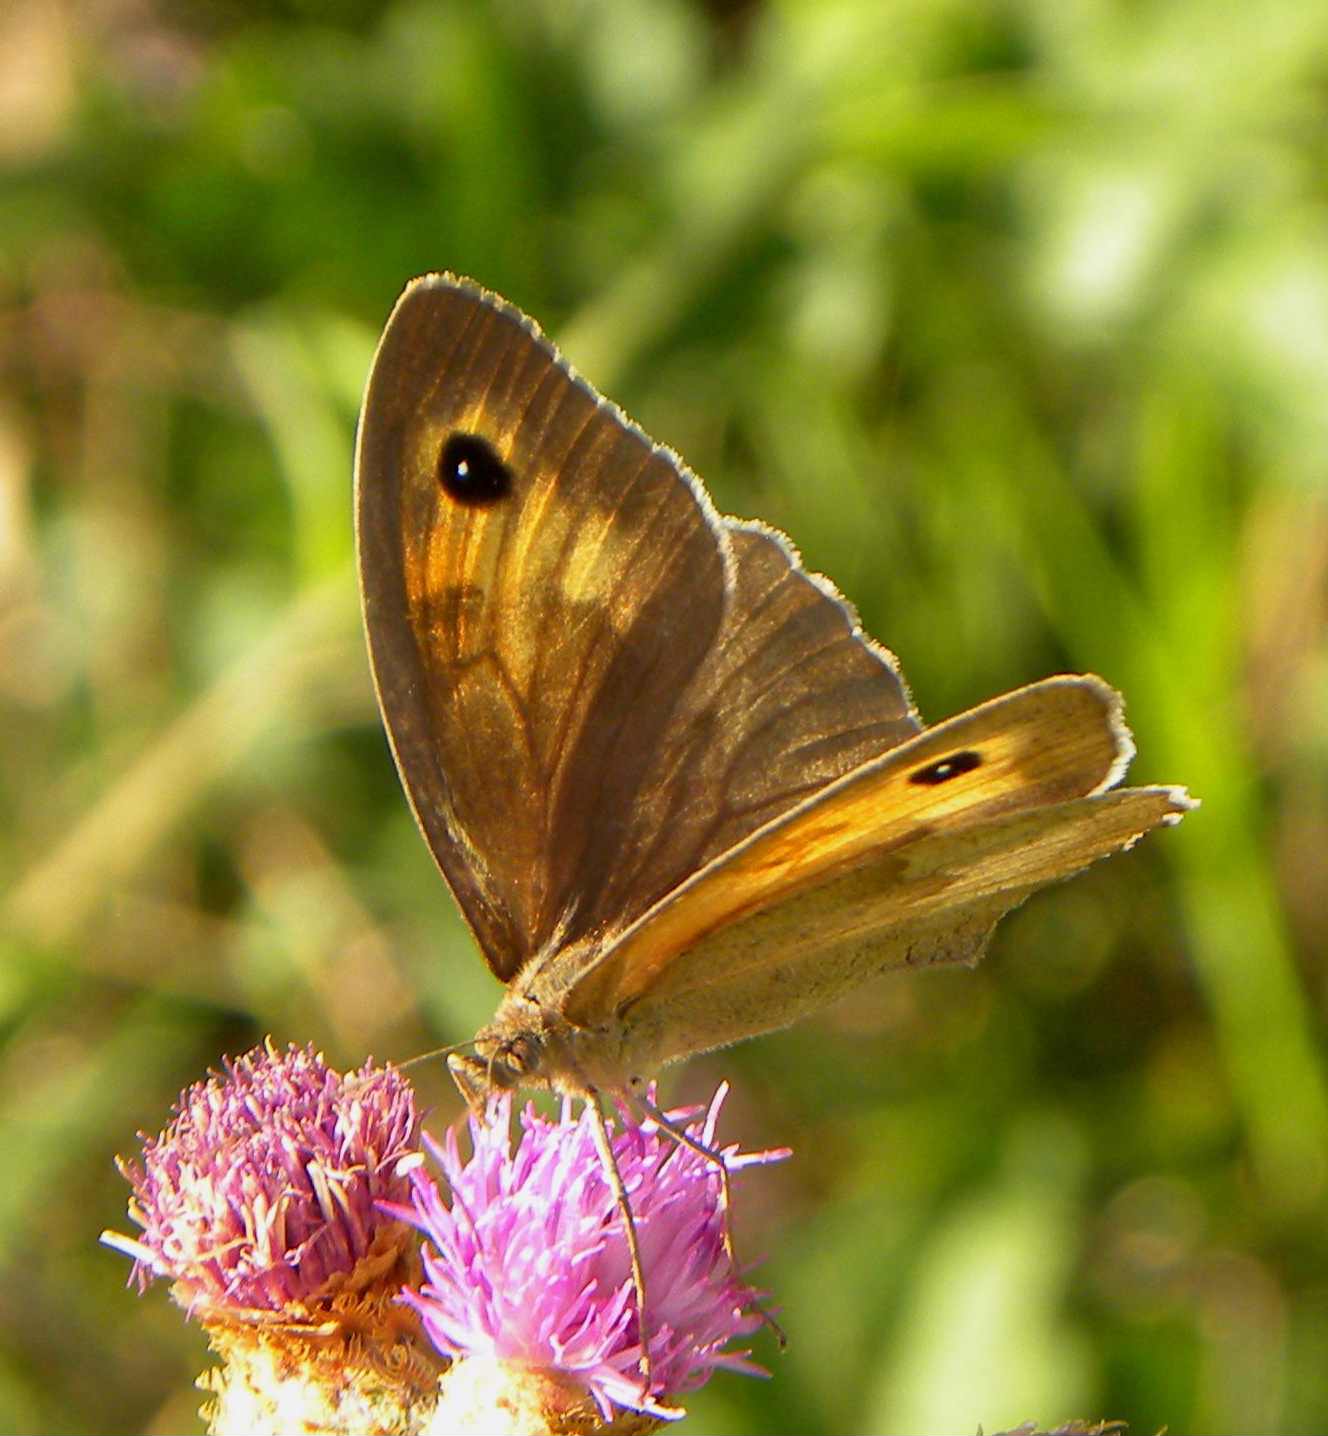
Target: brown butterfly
679 796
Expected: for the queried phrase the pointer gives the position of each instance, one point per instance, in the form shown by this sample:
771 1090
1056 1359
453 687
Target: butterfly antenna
432 1055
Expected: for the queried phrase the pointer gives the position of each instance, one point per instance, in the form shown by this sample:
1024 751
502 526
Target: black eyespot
471 473
944 769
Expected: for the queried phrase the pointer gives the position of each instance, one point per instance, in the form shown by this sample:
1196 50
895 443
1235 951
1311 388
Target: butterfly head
530 1044
499 1063
524 1046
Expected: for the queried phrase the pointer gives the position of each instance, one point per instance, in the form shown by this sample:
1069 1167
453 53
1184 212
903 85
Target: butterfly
680 797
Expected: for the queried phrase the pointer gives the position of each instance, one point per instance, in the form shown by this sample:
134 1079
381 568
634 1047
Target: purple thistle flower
529 1263
263 1191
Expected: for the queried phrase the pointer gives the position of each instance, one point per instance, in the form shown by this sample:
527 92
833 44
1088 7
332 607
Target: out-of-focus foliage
1014 315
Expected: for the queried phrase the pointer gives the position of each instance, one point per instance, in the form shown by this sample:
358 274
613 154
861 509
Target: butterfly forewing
593 686
936 902
884 853
524 646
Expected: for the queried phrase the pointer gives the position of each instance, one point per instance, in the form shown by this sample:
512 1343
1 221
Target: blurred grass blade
314 639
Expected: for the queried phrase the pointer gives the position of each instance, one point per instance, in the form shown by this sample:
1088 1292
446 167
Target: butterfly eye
944 769
521 1054
470 472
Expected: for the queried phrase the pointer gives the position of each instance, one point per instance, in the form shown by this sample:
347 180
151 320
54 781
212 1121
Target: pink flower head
266 1184
529 1262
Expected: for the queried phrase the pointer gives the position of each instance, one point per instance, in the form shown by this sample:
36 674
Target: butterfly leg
605 1148
685 1139
473 1079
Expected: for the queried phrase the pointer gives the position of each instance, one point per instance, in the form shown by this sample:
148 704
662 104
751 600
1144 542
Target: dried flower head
263 1191
528 1263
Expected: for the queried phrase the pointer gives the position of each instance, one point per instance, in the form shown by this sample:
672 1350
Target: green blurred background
1014 315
